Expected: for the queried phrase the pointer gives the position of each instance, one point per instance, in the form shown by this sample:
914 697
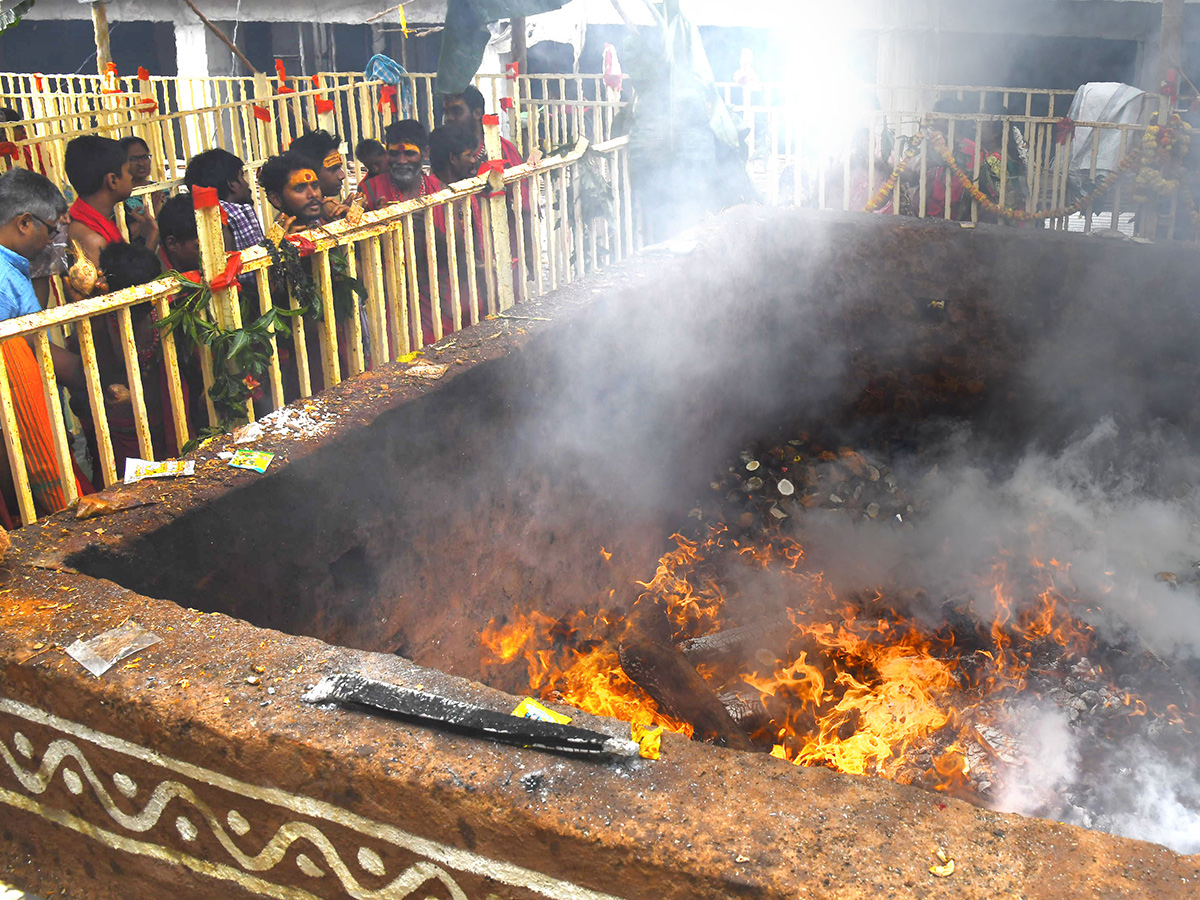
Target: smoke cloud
1118 513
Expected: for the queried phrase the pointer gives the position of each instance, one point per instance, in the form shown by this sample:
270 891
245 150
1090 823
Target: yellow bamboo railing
385 326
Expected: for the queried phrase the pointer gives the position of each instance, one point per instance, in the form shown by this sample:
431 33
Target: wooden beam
100 27
1170 45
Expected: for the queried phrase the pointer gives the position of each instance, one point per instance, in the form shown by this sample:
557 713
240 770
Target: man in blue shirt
32 210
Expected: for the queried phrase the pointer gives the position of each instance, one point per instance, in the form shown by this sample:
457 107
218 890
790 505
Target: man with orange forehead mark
292 187
405 178
322 151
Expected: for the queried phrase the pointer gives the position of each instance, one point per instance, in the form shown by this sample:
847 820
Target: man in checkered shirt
224 171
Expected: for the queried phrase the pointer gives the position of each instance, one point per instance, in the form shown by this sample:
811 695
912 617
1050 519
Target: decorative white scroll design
65 755
36 782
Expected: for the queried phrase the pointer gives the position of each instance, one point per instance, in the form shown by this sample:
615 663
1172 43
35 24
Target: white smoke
1118 512
1113 510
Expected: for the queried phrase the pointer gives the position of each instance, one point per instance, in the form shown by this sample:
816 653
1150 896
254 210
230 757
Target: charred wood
664 673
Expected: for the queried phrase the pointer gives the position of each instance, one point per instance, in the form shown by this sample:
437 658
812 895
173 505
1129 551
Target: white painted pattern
436 856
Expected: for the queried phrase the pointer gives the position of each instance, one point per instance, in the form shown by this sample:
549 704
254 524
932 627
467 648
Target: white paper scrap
139 469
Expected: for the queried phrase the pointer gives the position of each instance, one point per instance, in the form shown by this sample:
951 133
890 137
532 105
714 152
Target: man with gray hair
32 210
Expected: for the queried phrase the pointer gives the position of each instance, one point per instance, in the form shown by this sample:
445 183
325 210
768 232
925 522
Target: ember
863 683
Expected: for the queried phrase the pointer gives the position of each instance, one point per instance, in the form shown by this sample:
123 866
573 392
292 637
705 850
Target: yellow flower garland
1021 215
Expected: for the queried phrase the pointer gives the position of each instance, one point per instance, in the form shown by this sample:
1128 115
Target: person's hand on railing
333 208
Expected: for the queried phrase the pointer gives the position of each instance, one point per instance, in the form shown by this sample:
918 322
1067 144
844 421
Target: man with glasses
32 212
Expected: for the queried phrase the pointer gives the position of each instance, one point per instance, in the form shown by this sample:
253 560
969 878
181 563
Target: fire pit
525 501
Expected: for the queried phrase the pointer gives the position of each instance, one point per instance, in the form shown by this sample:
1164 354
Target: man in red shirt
467 109
405 179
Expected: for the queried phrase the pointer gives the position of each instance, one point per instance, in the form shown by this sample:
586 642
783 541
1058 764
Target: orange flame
859 686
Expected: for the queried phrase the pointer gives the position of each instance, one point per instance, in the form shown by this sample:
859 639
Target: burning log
664 673
740 643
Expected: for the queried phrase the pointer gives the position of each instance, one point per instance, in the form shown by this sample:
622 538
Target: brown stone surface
414 506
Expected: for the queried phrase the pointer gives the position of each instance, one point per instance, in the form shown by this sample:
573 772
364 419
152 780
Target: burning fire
855 684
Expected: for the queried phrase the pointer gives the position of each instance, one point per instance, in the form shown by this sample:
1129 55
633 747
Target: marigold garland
882 195
1021 215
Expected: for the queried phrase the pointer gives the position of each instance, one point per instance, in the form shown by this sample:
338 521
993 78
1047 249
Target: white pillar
191 49
908 51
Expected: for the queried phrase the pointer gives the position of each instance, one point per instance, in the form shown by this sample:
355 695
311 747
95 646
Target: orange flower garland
884 192
1021 215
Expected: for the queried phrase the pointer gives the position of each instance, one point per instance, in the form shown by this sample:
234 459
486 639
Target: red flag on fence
262 113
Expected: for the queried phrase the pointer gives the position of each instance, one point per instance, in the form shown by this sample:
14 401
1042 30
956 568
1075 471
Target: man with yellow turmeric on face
322 151
405 178
292 187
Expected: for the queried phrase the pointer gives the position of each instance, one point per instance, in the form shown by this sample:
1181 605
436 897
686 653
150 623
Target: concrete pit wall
410 510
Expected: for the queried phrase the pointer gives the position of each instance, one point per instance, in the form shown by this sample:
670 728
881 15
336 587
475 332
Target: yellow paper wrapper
531 709
648 739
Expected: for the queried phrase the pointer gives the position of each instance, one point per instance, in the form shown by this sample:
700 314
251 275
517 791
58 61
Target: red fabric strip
84 212
204 197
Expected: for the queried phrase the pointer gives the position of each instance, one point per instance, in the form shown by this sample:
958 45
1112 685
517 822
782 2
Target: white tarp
1104 101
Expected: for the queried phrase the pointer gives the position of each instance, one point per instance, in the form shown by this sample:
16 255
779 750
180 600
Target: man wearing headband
322 151
405 178
292 187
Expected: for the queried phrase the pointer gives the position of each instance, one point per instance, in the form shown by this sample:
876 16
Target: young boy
179 247
226 172
98 170
373 156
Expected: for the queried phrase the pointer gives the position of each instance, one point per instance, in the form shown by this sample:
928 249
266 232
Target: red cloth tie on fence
226 278
387 96
301 243
506 103
229 276
9 149
262 113
147 105
204 197
1064 128
143 73
323 106
512 70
